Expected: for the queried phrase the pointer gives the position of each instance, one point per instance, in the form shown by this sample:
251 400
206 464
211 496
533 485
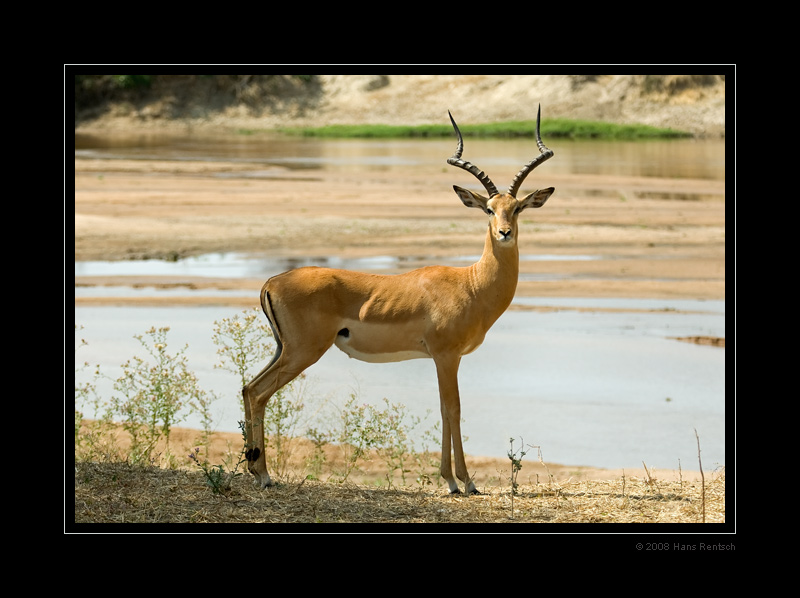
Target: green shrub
154 396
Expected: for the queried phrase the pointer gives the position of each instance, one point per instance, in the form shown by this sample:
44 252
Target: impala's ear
536 199
471 199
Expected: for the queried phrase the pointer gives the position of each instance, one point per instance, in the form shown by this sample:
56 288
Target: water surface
677 158
604 389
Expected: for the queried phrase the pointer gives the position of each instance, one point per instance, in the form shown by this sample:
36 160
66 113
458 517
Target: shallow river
681 158
606 389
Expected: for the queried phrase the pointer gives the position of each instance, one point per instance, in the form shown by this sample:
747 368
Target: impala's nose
504 234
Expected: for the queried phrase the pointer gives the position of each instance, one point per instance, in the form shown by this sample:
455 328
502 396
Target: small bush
155 395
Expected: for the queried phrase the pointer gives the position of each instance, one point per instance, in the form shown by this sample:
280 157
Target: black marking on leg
344 332
252 454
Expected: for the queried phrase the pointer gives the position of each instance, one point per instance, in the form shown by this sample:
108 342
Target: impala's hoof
470 492
262 481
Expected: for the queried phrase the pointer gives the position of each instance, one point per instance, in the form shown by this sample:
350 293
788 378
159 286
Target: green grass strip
553 128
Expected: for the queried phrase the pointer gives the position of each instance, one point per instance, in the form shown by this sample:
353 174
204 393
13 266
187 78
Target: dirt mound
694 103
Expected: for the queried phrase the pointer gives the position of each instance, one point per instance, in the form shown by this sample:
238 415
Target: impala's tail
266 305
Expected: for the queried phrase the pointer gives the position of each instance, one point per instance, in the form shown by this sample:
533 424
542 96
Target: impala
438 312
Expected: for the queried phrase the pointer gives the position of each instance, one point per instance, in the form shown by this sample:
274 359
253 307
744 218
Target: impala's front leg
447 373
445 467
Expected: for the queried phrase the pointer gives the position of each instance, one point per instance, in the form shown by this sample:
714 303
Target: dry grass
114 493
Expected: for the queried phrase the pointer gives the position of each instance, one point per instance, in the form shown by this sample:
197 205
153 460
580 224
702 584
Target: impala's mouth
504 237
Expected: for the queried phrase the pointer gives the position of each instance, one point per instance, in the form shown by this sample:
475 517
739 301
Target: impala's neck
495 275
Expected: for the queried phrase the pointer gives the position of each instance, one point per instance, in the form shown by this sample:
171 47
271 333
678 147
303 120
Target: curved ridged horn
545 154
456 160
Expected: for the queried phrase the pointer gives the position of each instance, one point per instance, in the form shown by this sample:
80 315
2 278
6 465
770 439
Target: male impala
438 312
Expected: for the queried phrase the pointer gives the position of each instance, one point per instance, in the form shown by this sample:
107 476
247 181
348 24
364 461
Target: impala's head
503 208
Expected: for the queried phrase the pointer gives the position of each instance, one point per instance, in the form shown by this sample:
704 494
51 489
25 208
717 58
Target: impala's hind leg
301 341
285 367
255 396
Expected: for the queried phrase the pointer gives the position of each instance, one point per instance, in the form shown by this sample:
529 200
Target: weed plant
243 344
156 395
516 465
93 441
365 428
217 477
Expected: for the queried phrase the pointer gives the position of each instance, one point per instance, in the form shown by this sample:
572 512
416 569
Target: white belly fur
361 343
380 357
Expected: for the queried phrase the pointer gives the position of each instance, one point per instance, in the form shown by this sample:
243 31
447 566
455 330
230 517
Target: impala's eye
490 212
